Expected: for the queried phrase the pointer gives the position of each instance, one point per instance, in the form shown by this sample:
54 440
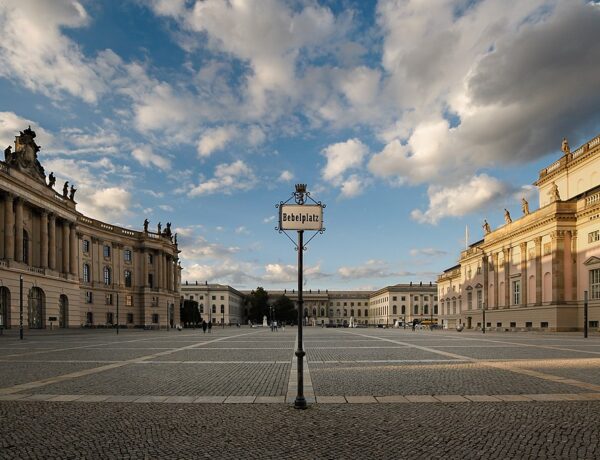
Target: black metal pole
300 402
585 314
117 313
21 307
483 320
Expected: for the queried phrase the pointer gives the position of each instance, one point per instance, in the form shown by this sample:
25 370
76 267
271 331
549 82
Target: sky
412 120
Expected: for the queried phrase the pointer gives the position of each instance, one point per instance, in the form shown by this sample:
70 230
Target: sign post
300 217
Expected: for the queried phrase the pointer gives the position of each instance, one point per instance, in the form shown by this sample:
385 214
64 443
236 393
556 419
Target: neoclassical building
217 303
533 272
76 271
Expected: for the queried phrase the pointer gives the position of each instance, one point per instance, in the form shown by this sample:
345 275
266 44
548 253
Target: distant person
283 326
209 327
414 325
275 325
204 326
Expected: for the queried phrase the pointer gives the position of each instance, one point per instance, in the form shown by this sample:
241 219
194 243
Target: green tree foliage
258 305
285 310
190 315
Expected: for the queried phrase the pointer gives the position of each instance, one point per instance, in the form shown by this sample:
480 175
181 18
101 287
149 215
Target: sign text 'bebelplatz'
300 217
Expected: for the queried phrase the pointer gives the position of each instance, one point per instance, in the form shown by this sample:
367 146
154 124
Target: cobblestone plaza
228 394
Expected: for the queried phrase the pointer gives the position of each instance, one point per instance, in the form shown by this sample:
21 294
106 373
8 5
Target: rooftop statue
159 227
486 227
146 222
507 218
24 158
72 193
66 189
524 206
51 180
565 146
554 195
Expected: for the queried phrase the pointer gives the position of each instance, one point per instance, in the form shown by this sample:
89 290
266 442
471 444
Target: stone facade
75 269
533 272
217 303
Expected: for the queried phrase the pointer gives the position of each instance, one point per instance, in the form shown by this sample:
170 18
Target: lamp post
483 318
21 307
117 313
223 316
300 217
585 314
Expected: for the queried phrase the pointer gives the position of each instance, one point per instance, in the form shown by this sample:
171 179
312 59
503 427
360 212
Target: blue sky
409 121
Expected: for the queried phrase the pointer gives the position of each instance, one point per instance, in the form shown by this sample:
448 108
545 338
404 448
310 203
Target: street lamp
483 318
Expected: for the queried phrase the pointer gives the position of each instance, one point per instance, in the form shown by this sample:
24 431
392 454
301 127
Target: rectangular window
544 324
595 284
222 298
154 318
150 280
88 296
528 324
426 297
109 299
513 324
129 318
106 250
150 259
470 300
594 236
416 298
479 299
129 300
127 278
86 246
498 324
516 292
109 318
403 298
214 297
127 255
593 324
222 308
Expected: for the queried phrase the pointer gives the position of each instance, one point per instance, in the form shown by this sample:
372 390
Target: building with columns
534 271
217 303
76 270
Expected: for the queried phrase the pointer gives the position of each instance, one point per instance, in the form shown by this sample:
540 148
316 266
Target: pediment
478 286
469 288
592 261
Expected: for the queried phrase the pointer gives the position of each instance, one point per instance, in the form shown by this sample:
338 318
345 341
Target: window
214 308
345 312
109 299
544 324
593 324
201 308
89 318
359 312
416 310
594 236
88 296
154 318
222 298
150 280
416 298
479 299
470 300
128 300
150 259
352 312
528 324
403 309
86 246
435 309
106 250
435 298
366 312
513 324
107 277
129 318
127 278
222 308
516 292
394 298
127 255
425 310
109 318
25 247
86 273
595 284
214 297
403 298
426 297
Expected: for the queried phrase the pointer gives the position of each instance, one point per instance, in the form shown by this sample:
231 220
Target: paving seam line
292 389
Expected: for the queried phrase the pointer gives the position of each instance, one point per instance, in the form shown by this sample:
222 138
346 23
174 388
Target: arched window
107 278
128 278
403 309
352 312
86 273
25 247
222 308
37 308
425 310
337 312
322 312
345 312
359 312
314 312
395 310
214 308
416 309
366 312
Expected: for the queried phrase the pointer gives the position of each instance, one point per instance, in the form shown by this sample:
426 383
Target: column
169 273
73 249
524 277
52 242
144 256
486 281
574 264
558 271
164 270
44 239
507 278
65 247
496 267
19 230
538 270
9 223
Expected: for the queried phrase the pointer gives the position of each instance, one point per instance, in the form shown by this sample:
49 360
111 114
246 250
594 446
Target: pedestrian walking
204 326
283 326
209 327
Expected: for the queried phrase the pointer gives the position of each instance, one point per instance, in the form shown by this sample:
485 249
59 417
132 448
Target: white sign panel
300 217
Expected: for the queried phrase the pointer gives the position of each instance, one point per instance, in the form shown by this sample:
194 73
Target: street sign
301 217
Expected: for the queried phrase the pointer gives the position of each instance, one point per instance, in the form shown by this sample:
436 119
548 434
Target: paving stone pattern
372 393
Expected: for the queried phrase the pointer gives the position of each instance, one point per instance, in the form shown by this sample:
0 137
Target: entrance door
63 311
37 308
4 307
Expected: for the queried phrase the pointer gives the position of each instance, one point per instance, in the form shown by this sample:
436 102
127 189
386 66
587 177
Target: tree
258 301
189 313
285 310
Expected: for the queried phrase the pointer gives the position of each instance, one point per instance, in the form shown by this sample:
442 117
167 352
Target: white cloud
241 230
10 126
342 157
146 157
286 176
353 186
216 139
427 252
34 52
106 204
227 179
268 220
371 269
467 197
